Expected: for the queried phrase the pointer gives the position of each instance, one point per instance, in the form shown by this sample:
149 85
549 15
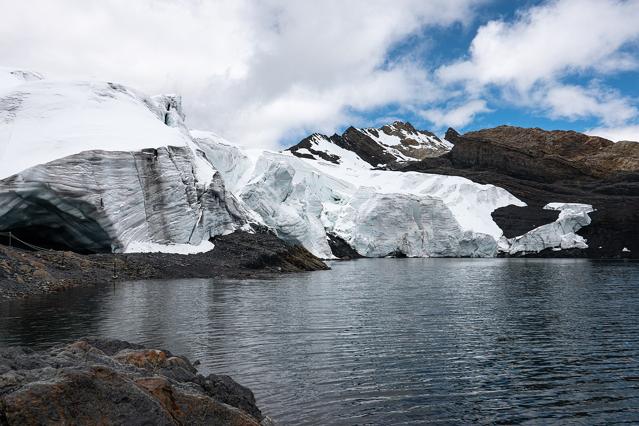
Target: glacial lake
386 341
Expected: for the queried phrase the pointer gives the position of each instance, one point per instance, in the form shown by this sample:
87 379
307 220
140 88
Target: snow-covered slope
408 143
398 142
377 212
97 166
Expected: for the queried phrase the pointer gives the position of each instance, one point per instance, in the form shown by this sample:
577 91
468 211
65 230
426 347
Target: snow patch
150 247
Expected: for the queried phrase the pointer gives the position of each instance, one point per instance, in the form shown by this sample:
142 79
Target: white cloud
624 133
574 102
530 59
547 41
456 117
253 70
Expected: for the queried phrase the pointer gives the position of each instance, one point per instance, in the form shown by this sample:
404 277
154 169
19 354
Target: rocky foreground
97 381
237 255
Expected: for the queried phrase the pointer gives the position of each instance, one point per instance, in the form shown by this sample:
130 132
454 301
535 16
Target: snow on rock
558 235
10 78
94 166
398 142
408 143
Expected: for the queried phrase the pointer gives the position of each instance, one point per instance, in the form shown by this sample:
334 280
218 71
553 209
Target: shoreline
238 255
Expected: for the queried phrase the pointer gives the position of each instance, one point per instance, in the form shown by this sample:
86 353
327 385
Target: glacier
97 166
377 212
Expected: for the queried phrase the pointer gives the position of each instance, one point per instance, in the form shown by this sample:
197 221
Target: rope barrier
12 237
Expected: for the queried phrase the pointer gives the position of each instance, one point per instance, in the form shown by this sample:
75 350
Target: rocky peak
398 142
452 135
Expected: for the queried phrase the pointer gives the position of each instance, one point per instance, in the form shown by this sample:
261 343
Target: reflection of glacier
98 167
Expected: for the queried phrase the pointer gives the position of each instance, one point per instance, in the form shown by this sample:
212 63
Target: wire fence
12 237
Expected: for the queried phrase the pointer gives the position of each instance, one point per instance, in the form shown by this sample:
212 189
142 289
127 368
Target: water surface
386 341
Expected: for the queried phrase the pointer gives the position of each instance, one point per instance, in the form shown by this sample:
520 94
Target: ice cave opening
37 223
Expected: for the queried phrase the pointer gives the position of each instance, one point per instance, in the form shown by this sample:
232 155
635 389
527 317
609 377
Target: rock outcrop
96 381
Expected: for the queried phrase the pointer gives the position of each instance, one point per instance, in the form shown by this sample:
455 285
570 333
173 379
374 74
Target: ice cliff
377 212
94 166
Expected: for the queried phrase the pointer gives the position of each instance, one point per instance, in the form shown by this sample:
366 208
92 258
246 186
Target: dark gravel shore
237 255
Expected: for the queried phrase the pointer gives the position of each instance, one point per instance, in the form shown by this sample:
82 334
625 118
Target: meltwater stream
386 341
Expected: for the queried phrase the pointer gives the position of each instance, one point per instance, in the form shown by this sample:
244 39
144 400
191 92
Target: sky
266 73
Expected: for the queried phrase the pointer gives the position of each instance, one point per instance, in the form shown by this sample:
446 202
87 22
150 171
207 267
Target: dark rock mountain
394 143
540 167
452 135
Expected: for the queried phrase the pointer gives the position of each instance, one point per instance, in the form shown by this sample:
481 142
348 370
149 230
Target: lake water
386 341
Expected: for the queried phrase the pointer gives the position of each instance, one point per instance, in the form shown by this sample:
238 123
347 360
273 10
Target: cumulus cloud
547 41
260 71
574 102
527 60
458 116
253 70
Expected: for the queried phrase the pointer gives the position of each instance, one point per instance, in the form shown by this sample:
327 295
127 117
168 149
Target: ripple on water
387 341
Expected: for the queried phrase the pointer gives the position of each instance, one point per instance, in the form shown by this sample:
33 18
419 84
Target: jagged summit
398 142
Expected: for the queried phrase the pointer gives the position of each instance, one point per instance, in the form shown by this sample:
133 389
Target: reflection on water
387 341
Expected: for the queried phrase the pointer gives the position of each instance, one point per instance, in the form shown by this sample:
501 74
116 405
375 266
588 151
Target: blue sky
268 72
441 46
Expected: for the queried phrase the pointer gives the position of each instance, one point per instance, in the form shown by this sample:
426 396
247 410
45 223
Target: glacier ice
96 166
560 234
377 212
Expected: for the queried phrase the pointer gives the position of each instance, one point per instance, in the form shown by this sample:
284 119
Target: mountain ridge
398 142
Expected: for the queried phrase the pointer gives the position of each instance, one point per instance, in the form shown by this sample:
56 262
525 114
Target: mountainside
540 167
546 156
398 142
